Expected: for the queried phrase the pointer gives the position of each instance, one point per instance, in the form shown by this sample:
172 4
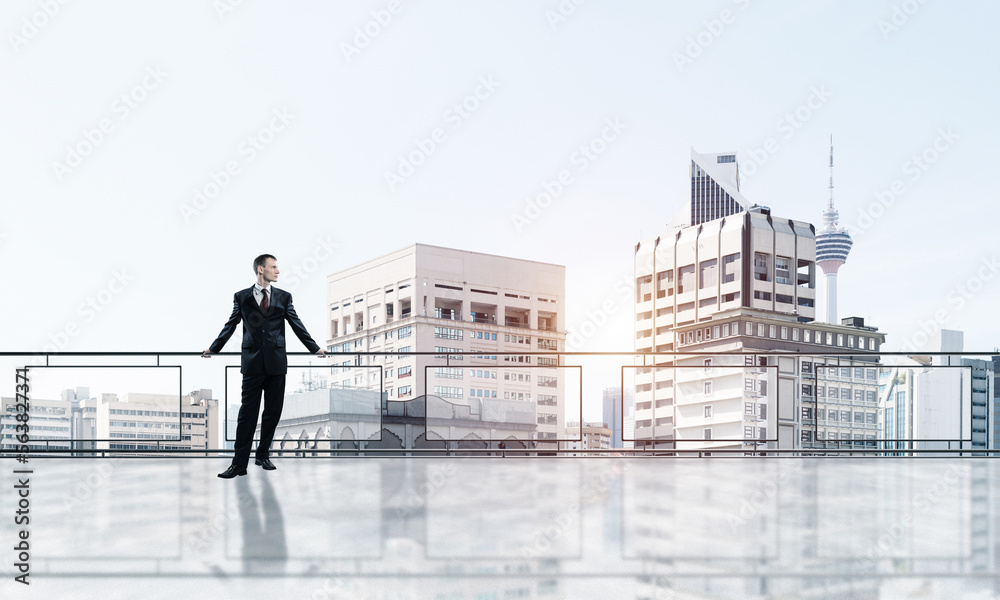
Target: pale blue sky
885 97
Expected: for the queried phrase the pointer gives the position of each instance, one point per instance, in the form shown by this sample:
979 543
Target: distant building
833 244
134 422
938 402
593 436
612 401
49 421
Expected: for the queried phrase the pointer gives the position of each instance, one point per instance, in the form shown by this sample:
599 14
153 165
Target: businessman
263 310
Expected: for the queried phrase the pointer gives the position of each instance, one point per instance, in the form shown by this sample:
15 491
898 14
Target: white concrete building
593 436
443 301
139 421
938 401
742 282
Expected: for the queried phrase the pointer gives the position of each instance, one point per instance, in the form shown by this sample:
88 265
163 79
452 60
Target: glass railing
507 403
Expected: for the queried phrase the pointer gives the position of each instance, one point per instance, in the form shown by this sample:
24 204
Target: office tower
439 300
938 401
715 190
741 284
833 244
612 402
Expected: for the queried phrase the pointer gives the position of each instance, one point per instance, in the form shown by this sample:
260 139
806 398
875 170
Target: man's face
270 270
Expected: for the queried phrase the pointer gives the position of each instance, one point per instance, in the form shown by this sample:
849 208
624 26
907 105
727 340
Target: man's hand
206 353
321 352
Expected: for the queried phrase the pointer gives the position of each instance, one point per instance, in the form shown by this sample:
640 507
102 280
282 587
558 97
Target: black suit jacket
263 349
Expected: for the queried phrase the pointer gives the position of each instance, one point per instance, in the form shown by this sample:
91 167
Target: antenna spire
831 170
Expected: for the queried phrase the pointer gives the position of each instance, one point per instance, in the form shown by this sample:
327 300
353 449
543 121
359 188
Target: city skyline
98 250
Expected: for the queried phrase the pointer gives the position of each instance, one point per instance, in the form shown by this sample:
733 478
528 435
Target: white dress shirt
258 294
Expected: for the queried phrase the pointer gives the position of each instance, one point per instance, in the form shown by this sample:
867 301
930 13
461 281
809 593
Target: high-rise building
715 190
938 401
740 284
612 402
833 244
441 301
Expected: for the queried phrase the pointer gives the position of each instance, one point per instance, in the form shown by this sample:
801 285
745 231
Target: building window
665 283
708 274
795 334
748 432
404 332
448 333
404 371
748 385
730 267
403 391
686 282
781 270
708 364
708 433
708 388
708 411
449 392
760 264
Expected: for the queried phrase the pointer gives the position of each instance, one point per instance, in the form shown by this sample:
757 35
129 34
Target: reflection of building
733 278
439 300
938 399
355 419
593 436
612 413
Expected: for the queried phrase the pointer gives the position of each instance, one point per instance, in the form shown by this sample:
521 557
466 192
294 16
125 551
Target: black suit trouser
273 387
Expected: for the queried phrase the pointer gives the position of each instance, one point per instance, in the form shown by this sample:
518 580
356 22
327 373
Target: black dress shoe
233 471
265 463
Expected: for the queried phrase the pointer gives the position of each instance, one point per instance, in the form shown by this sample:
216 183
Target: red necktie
263 303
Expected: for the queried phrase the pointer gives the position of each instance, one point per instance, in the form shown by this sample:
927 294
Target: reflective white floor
490 528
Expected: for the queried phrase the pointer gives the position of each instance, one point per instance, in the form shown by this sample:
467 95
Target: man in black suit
263 310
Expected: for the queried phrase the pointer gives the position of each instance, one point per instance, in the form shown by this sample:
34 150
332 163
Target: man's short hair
261 261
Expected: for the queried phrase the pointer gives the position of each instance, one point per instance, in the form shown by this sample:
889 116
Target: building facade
440 302
941 401
742 284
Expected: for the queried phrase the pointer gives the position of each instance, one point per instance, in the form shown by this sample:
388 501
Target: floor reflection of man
264 547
